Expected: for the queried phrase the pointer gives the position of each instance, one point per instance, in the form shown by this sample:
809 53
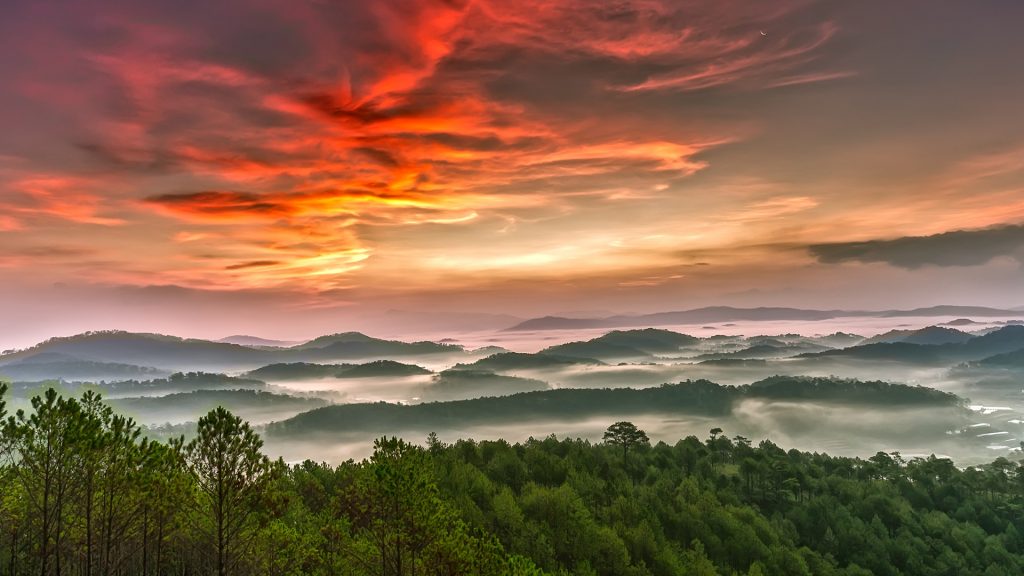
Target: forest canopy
83 492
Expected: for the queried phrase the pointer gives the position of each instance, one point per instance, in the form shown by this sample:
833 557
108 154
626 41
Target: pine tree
232 475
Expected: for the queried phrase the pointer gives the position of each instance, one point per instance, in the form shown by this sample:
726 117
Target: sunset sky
293 167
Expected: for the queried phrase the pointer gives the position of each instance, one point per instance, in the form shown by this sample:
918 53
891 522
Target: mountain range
715 314
128 354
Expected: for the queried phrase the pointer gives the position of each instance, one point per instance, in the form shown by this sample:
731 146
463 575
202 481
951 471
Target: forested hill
730 506
81 493
700 397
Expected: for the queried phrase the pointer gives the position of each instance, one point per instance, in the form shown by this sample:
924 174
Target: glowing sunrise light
650 154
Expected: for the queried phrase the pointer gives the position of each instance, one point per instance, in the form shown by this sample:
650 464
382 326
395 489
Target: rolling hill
596 350
156 350
380 368
59 366
297 371
522 361
699 397
358 345
170 353
1006 339
931 335
253 405
465 384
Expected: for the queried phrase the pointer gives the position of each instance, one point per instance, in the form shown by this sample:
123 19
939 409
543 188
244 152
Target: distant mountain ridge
714 314
1006 339
57 365
929 335
623 344
520 360
171 353
143 349
243 340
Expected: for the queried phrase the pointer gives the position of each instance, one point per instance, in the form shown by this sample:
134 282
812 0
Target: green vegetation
1009 360
305 370
596 349
886 351
463 384
728 506
1001 341
625 434
848 391
297 371
48 365
700 397
179 382
379 368
252 404
143 349
357 345
697 397
521 361
81 492
763 350
652 340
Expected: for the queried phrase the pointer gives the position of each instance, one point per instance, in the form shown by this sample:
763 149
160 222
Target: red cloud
345 115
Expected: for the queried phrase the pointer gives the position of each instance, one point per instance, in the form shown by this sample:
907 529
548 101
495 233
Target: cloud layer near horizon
957 248
341 152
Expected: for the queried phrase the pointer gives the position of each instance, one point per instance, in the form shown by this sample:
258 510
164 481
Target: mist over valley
536 383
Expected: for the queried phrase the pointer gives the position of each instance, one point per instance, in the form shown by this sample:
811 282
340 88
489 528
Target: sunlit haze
292 168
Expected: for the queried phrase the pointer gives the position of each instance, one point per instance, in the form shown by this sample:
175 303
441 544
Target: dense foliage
81 492
726 506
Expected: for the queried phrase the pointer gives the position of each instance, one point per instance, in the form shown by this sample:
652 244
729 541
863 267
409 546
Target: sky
292 167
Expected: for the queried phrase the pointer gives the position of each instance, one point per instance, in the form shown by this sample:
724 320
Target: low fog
989 422
832 428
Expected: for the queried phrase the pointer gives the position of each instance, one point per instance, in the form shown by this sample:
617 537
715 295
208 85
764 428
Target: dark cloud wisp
957 248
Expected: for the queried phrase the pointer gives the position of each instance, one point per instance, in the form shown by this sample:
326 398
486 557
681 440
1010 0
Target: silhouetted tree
625 434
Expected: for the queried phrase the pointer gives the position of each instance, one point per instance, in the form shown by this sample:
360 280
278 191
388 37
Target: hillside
1008 360
764 351
358 345
179 382
596 349
692 397
253 405
466 384
171 353
1006 339
522 361
255 341
297 371
848 391
889 351
56 365
650 340
929 336
379 368
165 352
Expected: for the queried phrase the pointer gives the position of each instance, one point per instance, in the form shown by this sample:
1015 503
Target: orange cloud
61 197
370 118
